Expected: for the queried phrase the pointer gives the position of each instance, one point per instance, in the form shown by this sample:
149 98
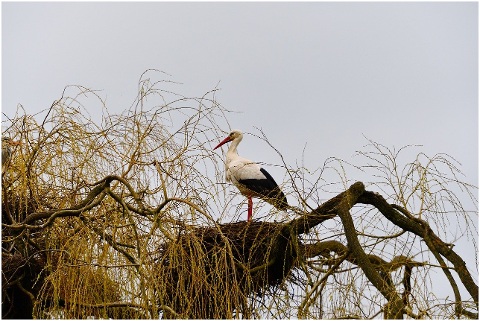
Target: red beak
226 140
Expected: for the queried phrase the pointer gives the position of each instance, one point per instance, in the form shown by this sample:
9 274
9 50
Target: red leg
250 210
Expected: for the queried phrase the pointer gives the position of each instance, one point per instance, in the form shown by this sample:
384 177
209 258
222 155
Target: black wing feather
267 188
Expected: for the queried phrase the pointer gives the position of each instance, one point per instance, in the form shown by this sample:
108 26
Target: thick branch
324 212
55 214
70 211
422 229
324 249
91 200
395 306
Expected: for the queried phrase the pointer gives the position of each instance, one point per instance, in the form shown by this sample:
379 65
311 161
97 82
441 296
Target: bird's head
9 141
234 134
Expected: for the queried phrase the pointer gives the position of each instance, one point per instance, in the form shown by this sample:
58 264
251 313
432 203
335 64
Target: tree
122 218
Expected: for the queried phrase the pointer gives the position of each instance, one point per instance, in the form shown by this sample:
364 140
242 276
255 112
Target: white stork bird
6 150
249 177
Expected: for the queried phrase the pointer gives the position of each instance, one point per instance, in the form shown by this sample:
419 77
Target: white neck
233 146
232 150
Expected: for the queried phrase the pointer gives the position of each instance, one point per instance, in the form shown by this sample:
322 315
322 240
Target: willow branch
308 301
324 249
395 305
324 212
110 240
422 229
55 214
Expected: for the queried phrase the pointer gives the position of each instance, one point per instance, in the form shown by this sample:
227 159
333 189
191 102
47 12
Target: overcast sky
321 74
324 74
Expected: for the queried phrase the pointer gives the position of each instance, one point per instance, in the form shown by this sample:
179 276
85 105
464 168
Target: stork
6 150
249 177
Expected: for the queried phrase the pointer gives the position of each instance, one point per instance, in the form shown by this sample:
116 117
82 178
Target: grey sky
321 74
399 73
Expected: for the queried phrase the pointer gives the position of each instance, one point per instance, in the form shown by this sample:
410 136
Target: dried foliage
128 216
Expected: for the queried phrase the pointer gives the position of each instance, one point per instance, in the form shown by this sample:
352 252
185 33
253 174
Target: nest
209 272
